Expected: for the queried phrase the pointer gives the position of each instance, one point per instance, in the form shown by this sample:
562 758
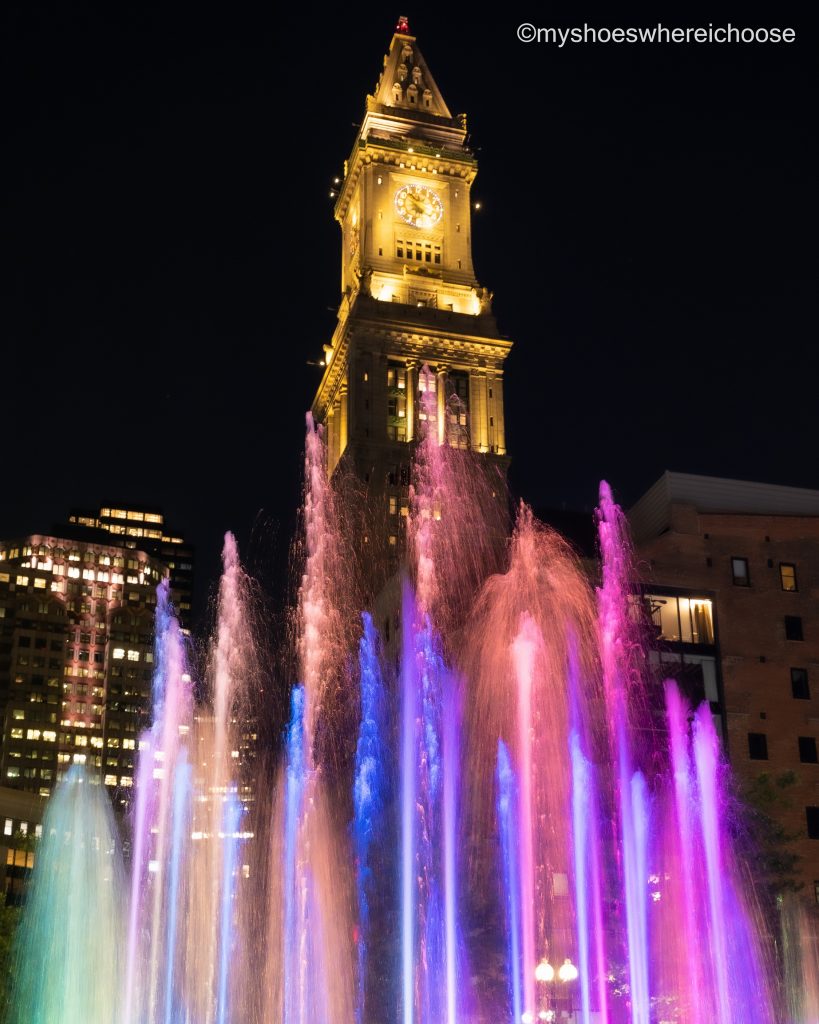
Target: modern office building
731 572
21 817
410 298
138 526
76 658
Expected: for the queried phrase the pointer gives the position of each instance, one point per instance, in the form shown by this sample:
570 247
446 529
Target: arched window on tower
402 72
416 76
427 98
406 53
397 95
412 95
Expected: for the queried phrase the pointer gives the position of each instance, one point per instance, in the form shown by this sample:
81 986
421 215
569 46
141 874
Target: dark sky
648 228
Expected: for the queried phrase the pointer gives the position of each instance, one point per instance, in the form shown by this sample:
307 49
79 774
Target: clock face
419 206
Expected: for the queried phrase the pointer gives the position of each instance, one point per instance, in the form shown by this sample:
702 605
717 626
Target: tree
772 859
9 919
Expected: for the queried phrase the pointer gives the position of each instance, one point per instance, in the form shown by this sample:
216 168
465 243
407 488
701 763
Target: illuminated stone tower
409 295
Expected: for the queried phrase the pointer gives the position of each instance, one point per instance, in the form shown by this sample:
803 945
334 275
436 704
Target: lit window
129 744
23 828
16 734
110 780
32 734
12 773
80 758
739 572
49 736
393 505
96 741
133 655
38 831
41 584
126 780
18 714
73 572
7 827
686 619
787 576
22 581
119 653
80 741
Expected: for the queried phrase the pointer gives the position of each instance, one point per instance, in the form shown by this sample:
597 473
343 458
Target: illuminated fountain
495 813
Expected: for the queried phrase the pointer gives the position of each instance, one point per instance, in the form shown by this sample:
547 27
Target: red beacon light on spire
403 25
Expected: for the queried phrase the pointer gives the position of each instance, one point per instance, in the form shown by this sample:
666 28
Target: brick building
731 574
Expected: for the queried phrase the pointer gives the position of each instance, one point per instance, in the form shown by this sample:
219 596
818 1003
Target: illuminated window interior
687 620
787 576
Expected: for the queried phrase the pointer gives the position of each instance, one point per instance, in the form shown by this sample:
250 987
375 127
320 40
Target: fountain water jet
542 809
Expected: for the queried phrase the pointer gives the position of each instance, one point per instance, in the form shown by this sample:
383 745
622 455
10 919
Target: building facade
76 659
21 816
416 345
139 526
731 575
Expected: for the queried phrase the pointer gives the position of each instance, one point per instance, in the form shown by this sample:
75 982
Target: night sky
648 228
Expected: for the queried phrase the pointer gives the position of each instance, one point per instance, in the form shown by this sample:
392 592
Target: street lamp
568 971
544 972
546 975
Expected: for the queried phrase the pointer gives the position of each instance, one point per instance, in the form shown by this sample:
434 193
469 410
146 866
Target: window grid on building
418 250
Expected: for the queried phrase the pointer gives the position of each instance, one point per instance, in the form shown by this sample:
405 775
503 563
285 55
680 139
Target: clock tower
410 299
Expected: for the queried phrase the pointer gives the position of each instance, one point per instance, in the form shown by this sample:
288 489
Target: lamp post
545 975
